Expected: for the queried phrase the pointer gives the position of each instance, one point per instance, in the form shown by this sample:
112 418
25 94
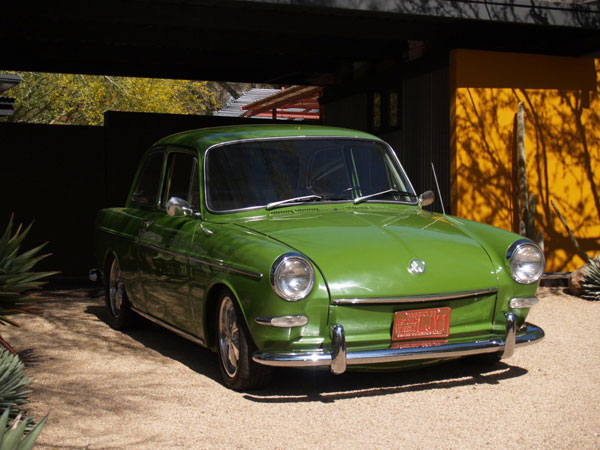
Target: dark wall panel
55 176
347 112
60 176
426 132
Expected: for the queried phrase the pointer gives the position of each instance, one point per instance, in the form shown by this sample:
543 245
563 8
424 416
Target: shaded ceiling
316 42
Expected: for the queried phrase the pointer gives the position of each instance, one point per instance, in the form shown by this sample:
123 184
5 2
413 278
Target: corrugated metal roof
295 103
234 107
8 80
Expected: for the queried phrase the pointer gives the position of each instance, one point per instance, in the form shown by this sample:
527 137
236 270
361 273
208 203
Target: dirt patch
149 389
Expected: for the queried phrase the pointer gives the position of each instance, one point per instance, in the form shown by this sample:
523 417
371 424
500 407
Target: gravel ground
150 389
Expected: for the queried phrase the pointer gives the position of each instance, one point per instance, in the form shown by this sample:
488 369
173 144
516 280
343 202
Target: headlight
526 261
292 277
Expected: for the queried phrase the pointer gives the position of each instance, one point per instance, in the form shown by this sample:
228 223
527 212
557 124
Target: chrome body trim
181 333
529 334
390 150
213 263
414 298
523 302
115 233
515 245
283 321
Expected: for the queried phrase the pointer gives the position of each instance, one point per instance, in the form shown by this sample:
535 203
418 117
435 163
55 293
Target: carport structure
389 67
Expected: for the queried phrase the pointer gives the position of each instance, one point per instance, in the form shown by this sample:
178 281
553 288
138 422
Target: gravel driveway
149 388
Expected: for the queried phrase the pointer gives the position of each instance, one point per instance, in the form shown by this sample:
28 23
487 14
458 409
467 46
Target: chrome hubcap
115 289
229 337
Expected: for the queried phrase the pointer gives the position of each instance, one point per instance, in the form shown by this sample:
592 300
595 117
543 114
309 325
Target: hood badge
417 266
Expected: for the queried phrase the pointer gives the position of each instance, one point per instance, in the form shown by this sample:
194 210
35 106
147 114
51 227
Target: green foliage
591 280
82 99
16 275
16 436
13 384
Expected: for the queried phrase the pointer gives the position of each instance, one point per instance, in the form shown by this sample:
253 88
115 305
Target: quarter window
148 184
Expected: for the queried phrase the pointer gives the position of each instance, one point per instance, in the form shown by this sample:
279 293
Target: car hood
364 252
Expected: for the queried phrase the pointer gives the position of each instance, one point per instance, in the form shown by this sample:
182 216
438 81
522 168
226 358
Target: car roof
204 138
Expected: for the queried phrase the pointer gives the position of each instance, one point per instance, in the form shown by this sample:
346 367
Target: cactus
526 201
591 280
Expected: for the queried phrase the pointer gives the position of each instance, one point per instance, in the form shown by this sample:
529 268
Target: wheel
235 348
119 313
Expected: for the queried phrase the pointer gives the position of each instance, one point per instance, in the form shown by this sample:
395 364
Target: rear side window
148 184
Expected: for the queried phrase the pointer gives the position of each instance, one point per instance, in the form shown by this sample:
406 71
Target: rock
576 281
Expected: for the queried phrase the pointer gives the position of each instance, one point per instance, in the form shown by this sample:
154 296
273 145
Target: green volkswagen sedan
307 246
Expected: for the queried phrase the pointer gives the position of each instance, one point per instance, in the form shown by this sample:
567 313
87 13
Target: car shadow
318 385
299 385
168 344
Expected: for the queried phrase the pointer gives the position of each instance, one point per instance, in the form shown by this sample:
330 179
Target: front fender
241 260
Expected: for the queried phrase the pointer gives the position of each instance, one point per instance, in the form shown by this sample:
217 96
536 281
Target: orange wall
562 123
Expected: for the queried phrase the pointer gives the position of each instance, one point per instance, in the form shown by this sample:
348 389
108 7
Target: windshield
267 172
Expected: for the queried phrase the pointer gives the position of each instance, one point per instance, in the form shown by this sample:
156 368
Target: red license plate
431 323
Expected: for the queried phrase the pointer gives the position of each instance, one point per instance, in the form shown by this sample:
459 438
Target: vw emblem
417 266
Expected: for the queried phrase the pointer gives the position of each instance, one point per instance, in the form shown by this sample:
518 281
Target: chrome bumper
338 359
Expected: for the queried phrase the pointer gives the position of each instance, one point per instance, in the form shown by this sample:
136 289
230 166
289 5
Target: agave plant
11 435
13 383
591 279
16 276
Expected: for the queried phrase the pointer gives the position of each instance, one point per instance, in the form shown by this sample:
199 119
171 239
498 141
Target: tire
118 310
235 348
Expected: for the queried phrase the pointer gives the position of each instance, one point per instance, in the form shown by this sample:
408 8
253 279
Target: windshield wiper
304 198
358 200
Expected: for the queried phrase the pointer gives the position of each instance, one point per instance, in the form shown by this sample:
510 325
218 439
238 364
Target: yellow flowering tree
82 99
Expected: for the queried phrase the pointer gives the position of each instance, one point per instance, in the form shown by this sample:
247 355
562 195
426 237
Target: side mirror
426 198
179 207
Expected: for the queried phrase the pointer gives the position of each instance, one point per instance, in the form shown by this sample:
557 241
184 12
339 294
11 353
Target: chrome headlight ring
292 277
526 261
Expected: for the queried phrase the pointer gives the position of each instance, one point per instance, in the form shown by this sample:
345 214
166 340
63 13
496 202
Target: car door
165 243
140 212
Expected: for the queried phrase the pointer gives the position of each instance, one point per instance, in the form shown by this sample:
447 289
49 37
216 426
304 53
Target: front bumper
338 359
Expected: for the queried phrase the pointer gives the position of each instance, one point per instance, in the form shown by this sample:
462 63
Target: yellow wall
562 123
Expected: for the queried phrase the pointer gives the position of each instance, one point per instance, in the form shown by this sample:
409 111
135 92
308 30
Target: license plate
431 323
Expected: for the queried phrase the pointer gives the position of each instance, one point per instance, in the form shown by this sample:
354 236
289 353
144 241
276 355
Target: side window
148 184
182 179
